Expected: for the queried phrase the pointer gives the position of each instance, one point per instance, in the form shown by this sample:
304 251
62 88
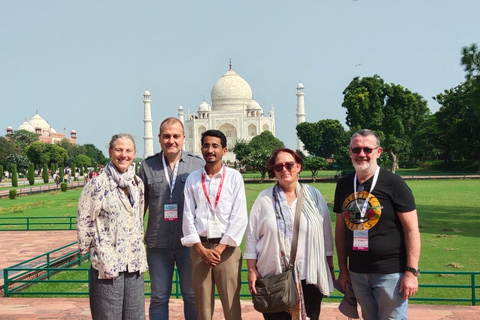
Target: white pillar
300 112
147 125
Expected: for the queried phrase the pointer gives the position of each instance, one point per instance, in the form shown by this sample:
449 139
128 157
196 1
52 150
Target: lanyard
219 191
365 204
167 175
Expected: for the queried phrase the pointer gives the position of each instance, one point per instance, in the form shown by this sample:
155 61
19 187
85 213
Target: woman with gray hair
110 227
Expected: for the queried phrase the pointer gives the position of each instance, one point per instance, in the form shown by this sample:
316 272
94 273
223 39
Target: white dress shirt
231 211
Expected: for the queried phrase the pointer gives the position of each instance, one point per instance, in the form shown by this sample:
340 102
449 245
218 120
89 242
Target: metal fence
38 223
41 269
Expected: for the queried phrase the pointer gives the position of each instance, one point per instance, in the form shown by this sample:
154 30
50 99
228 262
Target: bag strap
296 225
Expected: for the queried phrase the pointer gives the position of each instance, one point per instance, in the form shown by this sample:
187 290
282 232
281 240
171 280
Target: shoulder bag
279 292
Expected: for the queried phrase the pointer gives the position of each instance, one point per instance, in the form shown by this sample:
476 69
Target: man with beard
377 233
215 219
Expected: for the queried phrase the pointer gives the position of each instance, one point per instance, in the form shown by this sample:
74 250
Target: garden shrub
12 194
63 186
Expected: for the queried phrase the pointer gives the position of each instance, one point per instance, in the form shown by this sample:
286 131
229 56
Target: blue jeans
378 295
161 264
121 298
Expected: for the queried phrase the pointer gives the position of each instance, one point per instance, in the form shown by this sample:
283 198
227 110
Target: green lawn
448 216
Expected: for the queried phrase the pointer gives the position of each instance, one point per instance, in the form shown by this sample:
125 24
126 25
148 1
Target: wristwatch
415 271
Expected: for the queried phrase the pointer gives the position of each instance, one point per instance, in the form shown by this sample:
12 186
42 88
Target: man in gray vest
164 175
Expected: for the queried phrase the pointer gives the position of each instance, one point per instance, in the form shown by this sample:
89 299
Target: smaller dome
146 93
26 126
180 108
73 131
9 128
299 85
203 107
253 105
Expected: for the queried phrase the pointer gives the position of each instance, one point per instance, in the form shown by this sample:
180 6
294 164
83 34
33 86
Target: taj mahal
232 111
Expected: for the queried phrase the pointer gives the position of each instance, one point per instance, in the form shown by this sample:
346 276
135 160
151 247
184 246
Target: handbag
279 292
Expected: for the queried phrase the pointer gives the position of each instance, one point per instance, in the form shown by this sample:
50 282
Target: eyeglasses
279 166
366 150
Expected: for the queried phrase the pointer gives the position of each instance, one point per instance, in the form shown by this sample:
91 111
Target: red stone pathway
17 246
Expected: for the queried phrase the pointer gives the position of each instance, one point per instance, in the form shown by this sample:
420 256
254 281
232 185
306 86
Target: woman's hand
253 275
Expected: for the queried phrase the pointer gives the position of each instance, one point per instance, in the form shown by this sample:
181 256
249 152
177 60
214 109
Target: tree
83 162
1 172
314 164
323 138
73 150
257 151
14 175
45 176
394 112
471 62
72 170
20 161
7 147
23 138
241 150
95 154
37 152
31 174
265 141
258 159
457 124
40 153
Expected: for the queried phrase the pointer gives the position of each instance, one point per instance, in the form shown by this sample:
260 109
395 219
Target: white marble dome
26 126
253 105
39 122
203 107
230 92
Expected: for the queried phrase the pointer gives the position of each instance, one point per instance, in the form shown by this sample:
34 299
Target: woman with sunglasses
269 237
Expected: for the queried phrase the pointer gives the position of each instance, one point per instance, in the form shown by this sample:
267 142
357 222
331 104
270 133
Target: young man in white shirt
214 221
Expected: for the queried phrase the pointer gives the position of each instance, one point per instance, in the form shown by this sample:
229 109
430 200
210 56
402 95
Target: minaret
300 112
181 116
147 125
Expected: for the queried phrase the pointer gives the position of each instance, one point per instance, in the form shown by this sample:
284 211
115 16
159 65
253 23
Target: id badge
170 212
360 240
214 229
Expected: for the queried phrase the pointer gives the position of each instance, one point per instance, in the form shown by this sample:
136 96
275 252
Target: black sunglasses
367 150
279 166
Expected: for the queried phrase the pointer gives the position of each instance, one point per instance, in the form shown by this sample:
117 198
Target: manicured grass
448 217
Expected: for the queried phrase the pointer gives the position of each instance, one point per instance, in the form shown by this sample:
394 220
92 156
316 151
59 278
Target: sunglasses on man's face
366 150
279 166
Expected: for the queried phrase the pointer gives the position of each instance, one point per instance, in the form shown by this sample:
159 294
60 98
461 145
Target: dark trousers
313 299
117 299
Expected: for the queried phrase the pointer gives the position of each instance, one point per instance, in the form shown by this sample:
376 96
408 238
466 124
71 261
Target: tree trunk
393 159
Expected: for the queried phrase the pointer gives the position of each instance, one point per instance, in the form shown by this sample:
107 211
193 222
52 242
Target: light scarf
317 271
123 180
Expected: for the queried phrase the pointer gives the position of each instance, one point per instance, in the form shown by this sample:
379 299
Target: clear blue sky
85 64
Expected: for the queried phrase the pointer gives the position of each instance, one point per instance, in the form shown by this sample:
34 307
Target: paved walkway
17 246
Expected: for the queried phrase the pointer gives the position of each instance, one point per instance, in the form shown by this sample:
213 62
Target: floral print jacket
111 228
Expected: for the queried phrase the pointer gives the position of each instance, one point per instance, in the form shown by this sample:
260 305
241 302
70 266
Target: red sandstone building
44 130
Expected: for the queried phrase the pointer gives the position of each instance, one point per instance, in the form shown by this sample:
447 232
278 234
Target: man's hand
409 285
210 257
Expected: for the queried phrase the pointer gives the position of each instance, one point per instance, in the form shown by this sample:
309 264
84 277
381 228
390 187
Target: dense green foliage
14 175
45 176
23 138
1 172
324 138
256 152
31 174
12 193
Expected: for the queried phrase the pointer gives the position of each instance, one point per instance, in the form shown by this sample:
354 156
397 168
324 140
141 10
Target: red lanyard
217 198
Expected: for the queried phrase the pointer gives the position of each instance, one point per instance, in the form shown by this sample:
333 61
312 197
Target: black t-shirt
386 246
